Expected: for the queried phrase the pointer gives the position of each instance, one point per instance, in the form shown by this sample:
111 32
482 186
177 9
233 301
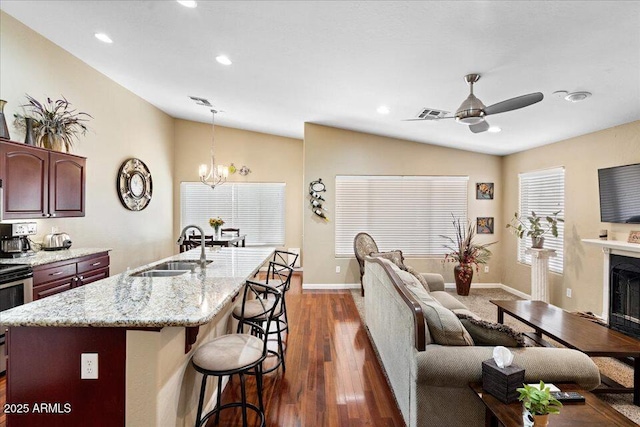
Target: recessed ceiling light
560 93
103 38
494 129
383 109
188 3
577 96
224 60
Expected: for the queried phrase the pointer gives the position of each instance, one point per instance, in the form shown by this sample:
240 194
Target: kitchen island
143 329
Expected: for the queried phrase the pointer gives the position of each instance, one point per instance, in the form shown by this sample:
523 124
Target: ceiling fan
472 111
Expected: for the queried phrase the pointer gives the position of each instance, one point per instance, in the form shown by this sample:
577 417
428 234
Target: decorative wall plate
134 184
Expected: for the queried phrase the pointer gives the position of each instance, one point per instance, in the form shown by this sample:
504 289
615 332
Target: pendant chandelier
215 175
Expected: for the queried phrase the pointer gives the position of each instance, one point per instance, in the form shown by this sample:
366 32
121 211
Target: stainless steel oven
16 288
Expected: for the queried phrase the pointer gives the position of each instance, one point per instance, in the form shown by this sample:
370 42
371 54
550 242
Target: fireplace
624 297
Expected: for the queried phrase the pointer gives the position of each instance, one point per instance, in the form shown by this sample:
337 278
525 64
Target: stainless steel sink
178 265
170 269
160 273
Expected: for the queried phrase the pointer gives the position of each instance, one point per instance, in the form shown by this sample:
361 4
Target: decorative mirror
317 186
134 184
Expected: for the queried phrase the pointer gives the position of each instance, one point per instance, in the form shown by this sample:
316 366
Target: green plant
533 225
464 250
216 222
54 122
539 401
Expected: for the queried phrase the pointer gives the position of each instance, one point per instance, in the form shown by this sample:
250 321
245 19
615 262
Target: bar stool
239 353
283 258
282 281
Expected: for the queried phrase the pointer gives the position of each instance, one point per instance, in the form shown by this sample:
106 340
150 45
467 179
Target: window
257 209
543 193
400 212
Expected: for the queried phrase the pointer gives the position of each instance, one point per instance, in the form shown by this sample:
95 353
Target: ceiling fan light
577 96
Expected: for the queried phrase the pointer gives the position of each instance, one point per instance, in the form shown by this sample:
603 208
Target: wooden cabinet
51 279
41 183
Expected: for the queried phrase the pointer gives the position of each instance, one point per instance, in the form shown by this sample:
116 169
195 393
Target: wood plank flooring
333 377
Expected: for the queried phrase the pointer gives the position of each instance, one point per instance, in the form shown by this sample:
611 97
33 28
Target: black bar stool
239 353
279 277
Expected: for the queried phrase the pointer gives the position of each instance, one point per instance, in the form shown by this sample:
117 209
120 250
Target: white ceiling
334 63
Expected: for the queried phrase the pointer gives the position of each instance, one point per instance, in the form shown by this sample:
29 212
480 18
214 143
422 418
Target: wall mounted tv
620 194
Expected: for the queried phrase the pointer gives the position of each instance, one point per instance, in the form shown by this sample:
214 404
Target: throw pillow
445 328
418 276
488 333
393 256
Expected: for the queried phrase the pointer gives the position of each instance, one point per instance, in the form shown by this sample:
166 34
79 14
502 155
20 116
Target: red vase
463 274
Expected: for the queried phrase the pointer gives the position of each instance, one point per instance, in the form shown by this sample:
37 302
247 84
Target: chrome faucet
203 257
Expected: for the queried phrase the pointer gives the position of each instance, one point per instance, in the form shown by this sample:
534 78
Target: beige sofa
430 381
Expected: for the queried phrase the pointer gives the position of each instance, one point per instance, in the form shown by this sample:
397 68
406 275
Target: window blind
257 209
543 193
400 212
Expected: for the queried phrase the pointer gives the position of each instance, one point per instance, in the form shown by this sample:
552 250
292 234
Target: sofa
430 380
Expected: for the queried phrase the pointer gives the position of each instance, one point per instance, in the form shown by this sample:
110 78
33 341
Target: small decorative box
502 382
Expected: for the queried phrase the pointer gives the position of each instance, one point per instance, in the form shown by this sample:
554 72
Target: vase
4 130
537 242
52 142
463 274
28 137
218 232
541 420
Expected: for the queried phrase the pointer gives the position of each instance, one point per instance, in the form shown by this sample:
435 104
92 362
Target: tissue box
502 382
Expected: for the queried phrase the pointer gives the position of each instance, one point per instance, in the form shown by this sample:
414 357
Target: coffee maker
14 242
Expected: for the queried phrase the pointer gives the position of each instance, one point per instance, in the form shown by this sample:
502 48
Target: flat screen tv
620 194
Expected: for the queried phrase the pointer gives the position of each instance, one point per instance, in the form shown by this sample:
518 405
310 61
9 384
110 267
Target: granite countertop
48 257
191 299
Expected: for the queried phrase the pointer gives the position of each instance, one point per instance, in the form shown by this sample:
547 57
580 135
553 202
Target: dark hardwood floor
333 377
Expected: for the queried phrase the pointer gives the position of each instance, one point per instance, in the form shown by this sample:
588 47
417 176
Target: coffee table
593 412
578 333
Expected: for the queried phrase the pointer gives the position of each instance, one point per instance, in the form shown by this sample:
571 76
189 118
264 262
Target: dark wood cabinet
41 183
51 279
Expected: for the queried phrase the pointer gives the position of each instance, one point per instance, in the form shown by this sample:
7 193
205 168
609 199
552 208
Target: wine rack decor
316 188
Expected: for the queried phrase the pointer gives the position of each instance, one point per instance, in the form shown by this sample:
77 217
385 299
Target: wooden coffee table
578 333
594 412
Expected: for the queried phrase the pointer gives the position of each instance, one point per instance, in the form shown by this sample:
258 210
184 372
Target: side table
593 412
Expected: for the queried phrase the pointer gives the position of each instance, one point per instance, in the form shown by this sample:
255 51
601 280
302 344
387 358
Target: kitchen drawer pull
96 263
57 273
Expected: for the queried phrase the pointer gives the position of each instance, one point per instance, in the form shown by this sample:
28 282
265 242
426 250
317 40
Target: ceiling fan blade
479 127
514 103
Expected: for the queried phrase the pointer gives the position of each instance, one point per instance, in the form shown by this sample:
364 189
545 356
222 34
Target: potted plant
216 223
466 253
539 402
533 226
55 124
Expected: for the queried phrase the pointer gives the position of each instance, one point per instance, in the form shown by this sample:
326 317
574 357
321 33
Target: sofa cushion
447 300
444 326
418 276
395 257
488 333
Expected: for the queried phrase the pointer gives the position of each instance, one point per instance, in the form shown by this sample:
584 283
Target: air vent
431 114
201 101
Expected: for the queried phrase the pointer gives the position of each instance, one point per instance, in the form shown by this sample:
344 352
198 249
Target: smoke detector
577 96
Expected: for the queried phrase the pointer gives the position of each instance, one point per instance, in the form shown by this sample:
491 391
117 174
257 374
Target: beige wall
271 159
581 158
123 126
329 152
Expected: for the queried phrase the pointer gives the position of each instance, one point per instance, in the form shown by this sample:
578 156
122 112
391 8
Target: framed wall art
484 225
484 190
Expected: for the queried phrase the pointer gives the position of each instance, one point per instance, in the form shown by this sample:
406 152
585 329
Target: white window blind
542 192
400 212
257 209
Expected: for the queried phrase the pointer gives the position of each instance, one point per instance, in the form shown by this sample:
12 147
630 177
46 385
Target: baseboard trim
493 286
330 286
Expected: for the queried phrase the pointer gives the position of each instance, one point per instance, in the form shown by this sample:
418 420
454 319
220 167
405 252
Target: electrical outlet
568 292
89 366
337 269
486 268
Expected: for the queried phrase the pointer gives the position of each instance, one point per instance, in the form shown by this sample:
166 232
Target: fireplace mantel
614 244
629 249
